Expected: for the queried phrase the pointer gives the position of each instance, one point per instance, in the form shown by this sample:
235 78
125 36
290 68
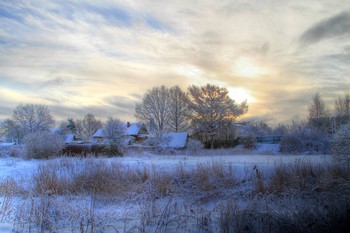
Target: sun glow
240 95
247 67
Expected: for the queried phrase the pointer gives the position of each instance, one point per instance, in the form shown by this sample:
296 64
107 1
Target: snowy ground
20 169
124 212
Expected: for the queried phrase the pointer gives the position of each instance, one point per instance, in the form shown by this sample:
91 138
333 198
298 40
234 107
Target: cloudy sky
101 56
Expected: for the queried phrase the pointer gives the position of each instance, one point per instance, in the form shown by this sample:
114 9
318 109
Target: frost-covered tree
155 106
32 118
10 130
317 108
342 110
341 146
179 111
318 114
43 144
342 106
89 125
114 129
210 107
71 125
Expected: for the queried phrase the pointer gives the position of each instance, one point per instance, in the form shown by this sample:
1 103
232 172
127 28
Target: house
71 138
138 131
98 136
134 133
175 140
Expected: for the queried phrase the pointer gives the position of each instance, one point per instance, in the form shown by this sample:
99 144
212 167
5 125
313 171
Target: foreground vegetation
100 195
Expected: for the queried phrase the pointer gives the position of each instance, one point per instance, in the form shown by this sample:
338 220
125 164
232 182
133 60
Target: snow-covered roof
7 144
98 134
133 128
69 138
130 129
175 140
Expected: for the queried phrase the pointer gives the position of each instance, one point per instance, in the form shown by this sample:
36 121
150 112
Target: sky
100 57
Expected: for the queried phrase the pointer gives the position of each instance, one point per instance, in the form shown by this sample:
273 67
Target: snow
6 228
20 169
176 140
7 144
98 134
120 213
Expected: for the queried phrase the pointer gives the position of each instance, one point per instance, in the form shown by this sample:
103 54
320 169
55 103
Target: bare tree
114 129
90 124
342 110
71 125
317 108
211 106
33 118
340 146
318 114
155 107
179 111
10 130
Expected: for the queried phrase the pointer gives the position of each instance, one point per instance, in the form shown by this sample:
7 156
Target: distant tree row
27 119
207 111
322 118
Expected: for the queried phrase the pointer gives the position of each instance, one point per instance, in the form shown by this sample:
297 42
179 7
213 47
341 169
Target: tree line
207 111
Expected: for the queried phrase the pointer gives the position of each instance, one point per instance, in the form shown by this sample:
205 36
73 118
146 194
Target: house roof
175 140
98 134
69 138
133 128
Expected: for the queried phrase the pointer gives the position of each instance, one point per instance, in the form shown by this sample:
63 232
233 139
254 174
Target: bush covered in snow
341 146
249 142
43 144
194 146
305 140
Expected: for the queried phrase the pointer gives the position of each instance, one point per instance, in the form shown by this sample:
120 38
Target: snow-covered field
139 212
20 169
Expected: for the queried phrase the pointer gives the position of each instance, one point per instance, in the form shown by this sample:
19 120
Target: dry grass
303 176
293 198
114 179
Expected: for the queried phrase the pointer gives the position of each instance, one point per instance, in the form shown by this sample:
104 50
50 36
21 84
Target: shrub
305 140
249 142
43 144
291 144
341 146
194 146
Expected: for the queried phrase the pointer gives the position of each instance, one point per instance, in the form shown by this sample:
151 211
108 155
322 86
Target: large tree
89 125
211 107
342 109
179 111
114 129
318 114
155 108
317 108
32 118
10 130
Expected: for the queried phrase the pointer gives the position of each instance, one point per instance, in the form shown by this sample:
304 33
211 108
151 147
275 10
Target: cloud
55 82
101 56
335 26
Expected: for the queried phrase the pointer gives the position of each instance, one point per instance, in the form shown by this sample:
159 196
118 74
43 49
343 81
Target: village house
134 133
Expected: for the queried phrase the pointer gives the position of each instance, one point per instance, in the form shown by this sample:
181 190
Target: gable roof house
136 129
175 140
71 138
98 136
135 132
